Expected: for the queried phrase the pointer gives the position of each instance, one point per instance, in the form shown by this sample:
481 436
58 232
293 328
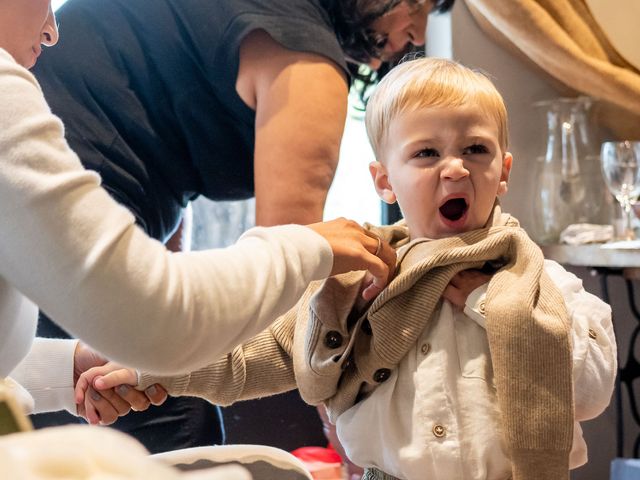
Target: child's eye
427 152
475 149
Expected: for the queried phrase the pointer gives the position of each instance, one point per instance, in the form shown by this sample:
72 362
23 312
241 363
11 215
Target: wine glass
621 172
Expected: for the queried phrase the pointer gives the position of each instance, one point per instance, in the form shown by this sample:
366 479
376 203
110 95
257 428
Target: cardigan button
366 327
381 375
333 339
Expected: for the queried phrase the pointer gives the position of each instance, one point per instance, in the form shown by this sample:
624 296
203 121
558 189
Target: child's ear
381 182
504 176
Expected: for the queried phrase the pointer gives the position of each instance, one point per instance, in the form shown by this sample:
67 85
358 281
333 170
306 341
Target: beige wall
521 85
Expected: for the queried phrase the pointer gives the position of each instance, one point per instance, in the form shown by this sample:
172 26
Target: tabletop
609 255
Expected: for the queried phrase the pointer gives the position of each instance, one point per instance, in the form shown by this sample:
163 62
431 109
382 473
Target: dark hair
352 20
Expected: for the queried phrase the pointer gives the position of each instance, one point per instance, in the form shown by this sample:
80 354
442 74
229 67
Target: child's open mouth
454 209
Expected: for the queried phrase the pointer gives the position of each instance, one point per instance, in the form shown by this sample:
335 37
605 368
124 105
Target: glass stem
629 234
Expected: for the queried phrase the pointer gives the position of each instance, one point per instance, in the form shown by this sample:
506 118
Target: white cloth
47 373
18 321
76 253
91 453
583 233
437 416
24 400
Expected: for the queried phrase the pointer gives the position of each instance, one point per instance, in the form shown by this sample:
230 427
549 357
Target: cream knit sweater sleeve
72 250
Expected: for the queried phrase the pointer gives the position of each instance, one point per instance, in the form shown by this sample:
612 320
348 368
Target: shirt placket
439 427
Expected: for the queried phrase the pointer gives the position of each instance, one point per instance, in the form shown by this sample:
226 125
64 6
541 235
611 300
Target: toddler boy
430 382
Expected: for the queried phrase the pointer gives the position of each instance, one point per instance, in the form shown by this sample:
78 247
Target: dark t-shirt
146 90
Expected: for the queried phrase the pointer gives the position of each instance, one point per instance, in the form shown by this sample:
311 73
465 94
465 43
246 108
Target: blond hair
431 82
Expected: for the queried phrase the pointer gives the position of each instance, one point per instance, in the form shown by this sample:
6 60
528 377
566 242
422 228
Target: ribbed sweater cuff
175 385
540 464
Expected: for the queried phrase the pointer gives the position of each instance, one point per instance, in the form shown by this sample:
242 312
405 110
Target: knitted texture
527 327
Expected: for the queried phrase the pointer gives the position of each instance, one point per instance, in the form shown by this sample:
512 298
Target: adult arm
76 253
300 101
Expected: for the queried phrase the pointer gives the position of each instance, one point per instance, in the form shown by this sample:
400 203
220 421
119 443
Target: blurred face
403 26
445 168
25 25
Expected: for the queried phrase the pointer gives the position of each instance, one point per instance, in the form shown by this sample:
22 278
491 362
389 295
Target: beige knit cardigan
333 356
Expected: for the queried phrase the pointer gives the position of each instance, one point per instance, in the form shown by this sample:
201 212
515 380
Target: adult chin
374 63
33 58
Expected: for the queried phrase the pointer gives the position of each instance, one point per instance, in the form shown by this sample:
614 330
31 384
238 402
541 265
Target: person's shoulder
5 56
283 20
21 92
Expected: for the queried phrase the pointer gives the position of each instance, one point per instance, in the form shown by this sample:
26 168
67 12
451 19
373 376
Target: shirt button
439 431
425 348
333 339
592 334
381 375
482 307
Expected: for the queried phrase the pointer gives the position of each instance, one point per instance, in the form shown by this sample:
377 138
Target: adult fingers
384 269
354 248
90 412
81 387
99 410
372 291
137 400
122 376
81 411
121 406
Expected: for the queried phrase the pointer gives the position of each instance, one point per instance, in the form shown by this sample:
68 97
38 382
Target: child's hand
104 393
461 286
109 405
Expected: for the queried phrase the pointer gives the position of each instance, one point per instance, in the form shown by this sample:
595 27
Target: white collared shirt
437 416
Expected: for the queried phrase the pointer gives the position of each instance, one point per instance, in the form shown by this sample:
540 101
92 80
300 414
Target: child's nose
454 169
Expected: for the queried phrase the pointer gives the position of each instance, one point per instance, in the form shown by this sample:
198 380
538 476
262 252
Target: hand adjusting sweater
527 327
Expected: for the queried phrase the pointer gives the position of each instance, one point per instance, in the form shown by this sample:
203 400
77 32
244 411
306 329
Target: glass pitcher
569 187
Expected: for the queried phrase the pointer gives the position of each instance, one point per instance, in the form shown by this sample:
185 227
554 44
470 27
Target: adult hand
461 286
355 248
105 407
